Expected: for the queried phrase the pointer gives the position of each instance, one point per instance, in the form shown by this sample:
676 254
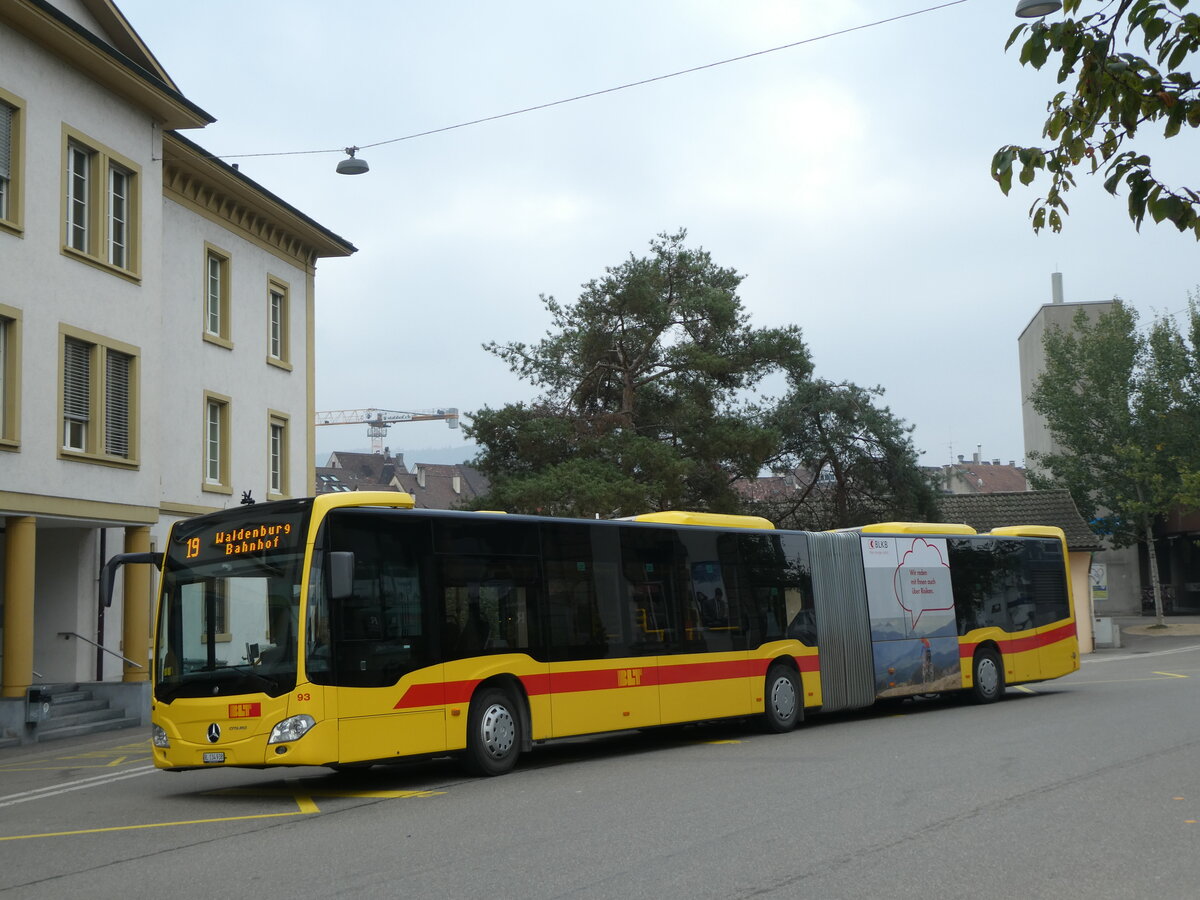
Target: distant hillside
444 456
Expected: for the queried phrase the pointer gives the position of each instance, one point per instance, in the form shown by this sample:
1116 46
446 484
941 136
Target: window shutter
77 372
6 116
116 403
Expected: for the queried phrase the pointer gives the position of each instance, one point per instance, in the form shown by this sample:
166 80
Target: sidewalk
91 745
1141 634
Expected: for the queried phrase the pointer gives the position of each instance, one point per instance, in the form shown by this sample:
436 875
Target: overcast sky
846 178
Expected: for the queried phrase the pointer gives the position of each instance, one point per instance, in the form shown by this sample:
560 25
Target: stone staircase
74 712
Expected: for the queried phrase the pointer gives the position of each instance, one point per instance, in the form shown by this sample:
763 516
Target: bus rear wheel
493 734
783 700
987 677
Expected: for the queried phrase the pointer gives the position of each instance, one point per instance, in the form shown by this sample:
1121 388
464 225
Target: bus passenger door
602 633
378 642
708 678
604 636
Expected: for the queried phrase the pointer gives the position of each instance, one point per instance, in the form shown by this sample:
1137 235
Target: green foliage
1125 64
641 381
1123 407
853 461
644 401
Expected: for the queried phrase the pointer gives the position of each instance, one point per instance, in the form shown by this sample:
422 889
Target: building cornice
46 25
194 177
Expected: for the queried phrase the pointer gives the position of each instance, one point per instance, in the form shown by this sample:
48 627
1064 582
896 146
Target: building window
216 443
216 296
277 323
99 398
77 394
117 369
277 454
11 110
101 203
118 217
10 396
7 114
79 199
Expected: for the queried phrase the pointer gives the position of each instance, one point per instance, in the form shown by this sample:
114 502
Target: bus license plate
214 757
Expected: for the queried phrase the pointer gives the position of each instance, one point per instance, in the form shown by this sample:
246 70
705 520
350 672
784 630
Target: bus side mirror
108 574
341 574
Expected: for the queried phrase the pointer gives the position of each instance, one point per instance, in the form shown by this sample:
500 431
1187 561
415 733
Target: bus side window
781 603
992 588
380 631
489 604
651 586
575 622
1048 584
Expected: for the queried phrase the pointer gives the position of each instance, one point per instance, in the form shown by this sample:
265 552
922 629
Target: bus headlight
291 729
158 737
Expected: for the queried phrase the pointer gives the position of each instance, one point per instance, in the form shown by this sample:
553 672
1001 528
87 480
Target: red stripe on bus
1022 644
688 673
583 680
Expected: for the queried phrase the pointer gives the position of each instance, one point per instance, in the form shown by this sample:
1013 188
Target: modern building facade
1116 578
156 337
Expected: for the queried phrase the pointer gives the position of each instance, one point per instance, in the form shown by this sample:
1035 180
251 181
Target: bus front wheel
493 734
987 677
783 700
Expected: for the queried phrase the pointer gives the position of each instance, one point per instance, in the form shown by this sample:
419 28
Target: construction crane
379 420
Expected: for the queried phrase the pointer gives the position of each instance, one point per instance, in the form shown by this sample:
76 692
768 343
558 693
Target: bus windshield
229 614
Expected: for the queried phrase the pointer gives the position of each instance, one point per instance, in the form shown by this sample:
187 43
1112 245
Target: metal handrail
70 634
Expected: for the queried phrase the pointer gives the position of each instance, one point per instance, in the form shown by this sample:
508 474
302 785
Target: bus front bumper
316 747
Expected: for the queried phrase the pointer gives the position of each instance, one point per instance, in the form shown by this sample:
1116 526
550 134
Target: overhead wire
610 90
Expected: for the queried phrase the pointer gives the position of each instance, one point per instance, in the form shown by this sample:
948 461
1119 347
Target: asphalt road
1083 787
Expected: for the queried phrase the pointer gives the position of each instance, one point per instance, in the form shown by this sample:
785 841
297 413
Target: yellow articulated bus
350 629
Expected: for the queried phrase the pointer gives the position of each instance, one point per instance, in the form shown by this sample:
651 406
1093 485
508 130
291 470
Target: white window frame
277 322
217 289
119 184
216 455
278 474
79 197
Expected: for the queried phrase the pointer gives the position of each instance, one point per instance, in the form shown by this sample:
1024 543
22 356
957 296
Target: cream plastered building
156 340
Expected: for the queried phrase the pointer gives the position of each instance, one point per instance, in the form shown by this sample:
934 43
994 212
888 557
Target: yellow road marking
116 756
1125 680
321 792
23 837
306 803
1023 689
731 741
303 798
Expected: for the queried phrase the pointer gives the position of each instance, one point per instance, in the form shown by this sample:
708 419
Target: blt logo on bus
629 677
